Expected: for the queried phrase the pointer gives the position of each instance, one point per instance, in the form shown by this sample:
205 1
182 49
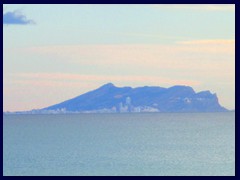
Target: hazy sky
55 52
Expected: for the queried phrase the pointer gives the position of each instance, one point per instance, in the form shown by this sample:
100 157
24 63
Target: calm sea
119 144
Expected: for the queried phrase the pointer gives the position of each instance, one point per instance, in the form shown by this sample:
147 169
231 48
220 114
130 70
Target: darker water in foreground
119 144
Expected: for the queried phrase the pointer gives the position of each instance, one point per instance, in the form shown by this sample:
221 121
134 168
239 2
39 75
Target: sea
129 144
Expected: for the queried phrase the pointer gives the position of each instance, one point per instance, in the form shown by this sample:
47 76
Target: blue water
119 144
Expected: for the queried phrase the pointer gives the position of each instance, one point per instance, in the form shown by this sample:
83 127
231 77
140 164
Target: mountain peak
108 85
182 89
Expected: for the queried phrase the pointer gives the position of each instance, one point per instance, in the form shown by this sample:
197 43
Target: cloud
16 18
148 35
63 79
154 57
201 7
211 46
208 42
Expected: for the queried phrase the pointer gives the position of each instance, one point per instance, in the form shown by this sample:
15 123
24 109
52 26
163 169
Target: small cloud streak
202 7
208 42
16 18
148 56
62 79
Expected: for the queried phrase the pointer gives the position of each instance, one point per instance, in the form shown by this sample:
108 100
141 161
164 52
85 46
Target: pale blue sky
71 49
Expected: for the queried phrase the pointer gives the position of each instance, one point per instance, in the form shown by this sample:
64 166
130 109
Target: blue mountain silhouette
174 99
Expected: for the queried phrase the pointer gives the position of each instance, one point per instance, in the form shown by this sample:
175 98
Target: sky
52 53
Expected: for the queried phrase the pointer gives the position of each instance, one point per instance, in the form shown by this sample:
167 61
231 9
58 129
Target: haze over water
119 144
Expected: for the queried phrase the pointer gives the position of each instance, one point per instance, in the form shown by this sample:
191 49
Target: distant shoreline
21 113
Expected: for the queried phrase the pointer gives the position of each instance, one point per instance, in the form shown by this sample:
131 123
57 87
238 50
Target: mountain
109 98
